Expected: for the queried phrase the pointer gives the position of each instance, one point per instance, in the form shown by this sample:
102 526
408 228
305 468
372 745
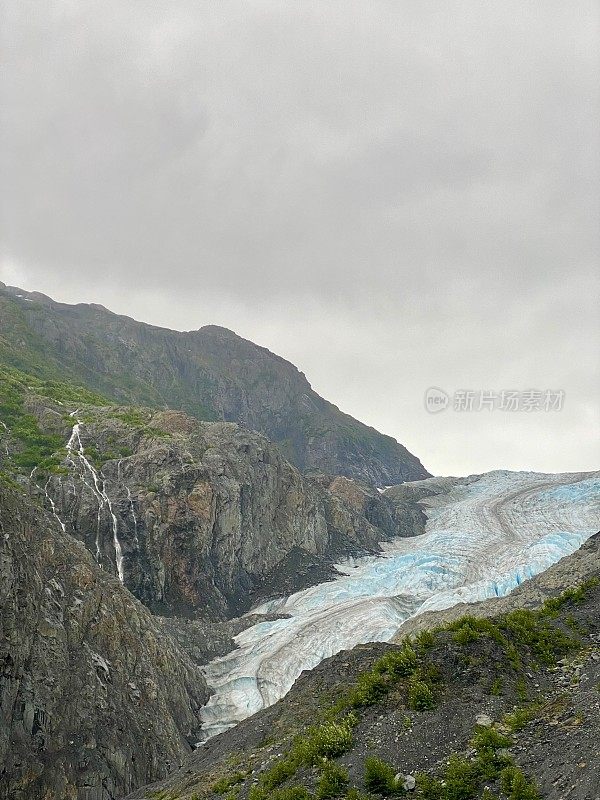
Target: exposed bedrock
208 518
96 696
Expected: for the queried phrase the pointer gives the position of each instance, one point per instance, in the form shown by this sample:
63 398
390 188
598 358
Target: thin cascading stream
50 500
98 487
130 501
53 507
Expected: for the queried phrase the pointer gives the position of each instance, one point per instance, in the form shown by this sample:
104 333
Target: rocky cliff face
198 520
96 697
201 518
212 374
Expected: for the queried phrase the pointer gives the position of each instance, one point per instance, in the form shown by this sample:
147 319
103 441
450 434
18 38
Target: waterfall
98 488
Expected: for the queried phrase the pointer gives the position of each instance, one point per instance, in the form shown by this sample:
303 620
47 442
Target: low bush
520 717
225 784
461 778
289 793
381 778
516 786
369 688
398 663
333 781
279 773
466 634
576 596
420 696
328 740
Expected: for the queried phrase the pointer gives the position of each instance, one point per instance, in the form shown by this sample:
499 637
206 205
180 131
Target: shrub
430 788
486 743
328 740
466 634
381 778
516 786
325 741
398 663
278 773
333 781
529 629
521 716
291 793
489 739
223 785
576 596
461 779
132 416
370 687
420 696
424 640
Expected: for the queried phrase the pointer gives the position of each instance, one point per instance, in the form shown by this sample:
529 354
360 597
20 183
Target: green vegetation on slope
27 447
524 640
30 447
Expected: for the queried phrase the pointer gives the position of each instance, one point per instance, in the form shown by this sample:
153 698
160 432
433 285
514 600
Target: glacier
483 537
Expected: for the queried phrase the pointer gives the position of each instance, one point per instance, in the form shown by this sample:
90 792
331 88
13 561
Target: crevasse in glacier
483 537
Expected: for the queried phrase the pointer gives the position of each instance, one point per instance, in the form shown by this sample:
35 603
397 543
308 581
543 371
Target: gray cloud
390 194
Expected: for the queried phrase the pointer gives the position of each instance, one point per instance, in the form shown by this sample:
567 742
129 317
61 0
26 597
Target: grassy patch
372 686
516 786
32 448
575 596
464 778
333 781
224 785
319 744
420 696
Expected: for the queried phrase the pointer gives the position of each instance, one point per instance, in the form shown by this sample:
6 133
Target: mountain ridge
211 373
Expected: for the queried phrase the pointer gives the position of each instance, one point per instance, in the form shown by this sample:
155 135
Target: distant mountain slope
211 373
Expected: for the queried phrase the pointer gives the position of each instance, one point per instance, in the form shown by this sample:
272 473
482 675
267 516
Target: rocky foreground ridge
97 697
500 702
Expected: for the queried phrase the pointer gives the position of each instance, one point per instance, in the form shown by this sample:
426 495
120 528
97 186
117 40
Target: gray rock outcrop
209 517
96 697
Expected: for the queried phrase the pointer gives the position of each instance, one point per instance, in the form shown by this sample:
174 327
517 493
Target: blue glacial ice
483 538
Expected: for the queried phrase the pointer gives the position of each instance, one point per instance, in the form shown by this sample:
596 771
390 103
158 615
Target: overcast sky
392 195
